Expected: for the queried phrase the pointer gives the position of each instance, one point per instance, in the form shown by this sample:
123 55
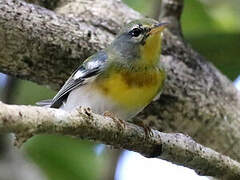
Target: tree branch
31 43
83 123
44 47
171 10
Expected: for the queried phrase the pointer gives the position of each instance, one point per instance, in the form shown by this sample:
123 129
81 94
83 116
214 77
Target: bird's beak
158 27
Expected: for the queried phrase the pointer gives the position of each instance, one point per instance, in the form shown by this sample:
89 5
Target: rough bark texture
40 42
44 47
177 148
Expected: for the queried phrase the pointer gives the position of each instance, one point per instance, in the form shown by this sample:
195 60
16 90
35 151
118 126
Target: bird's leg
119 122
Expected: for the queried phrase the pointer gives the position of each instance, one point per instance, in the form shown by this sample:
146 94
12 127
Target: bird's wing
89 70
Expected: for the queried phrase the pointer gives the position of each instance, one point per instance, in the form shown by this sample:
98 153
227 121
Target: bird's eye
135 32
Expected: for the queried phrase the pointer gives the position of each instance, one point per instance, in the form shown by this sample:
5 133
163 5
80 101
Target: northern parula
122 78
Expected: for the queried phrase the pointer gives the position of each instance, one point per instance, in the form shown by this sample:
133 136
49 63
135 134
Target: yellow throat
150 52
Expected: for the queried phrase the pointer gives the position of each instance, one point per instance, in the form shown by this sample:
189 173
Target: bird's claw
120 123
147 130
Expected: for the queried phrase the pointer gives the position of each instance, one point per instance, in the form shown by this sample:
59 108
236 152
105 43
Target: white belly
86 96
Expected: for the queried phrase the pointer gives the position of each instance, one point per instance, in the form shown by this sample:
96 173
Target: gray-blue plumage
91 67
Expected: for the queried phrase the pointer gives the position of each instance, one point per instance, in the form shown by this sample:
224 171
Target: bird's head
140 42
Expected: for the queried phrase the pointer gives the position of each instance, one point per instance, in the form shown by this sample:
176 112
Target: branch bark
171 10
177 148
45 47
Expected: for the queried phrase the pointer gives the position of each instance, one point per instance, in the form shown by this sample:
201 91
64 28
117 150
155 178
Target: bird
121 79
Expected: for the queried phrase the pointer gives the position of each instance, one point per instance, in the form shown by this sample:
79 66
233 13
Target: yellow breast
132 90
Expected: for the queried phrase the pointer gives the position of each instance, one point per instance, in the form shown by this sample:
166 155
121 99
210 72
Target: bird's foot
147 130
120 123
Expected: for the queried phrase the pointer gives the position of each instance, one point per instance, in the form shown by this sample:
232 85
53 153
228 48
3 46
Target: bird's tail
46 103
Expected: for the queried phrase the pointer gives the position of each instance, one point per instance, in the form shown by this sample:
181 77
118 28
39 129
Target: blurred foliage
222 49
62 157
143 6
30 93
211 31
225 13
212 27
